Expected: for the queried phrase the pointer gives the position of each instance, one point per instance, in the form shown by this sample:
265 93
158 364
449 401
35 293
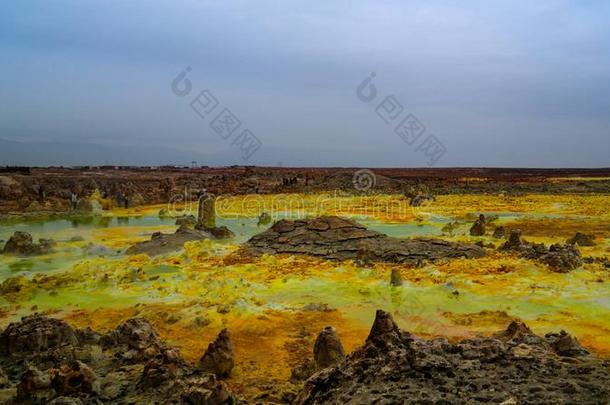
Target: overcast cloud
500 83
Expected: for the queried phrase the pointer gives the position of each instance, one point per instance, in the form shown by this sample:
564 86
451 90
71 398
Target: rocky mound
514 366
582 239
161 243
337 238
22 244
45 361
559 258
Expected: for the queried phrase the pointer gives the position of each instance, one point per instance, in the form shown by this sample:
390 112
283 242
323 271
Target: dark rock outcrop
207 390
186 220
478 228
327 349
218 232
166 366
581 239
514 366
36 334
562 258
218 359
161 243
559 258
395 278
420 199
263 219
47 361
336 238
22 244
136 333
499 232
33 381
74 378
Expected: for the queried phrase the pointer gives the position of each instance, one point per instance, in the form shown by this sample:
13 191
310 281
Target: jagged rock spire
219 358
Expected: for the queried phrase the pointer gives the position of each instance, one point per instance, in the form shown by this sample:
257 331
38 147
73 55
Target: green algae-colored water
95 230
98 244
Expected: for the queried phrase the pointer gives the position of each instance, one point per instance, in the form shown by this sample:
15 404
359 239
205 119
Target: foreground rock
22 244
559 258
45 360
515 366
161 243
328 349
218 359
337 238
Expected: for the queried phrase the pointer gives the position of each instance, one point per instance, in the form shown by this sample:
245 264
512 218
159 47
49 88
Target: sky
489 83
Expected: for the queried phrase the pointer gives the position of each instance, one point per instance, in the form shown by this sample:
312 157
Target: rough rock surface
136 333
514 366
46 361
22 244
560 258
327 349
186 220
395 278
478 228
499 232
337 238
161 243
420 199
217 232
218 359
35 334
582 239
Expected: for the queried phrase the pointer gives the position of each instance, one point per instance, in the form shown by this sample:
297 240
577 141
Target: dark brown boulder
514 242
565 344
562 258
22 244
32 381
517 332
395 278
219 359
166 366
303 371
582 239
421 199
499 232
136 333
207 390
161 243
478 228
327 349
219 232
35 334
74 378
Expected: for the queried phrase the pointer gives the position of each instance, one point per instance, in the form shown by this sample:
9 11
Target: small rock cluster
45 361
559 258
